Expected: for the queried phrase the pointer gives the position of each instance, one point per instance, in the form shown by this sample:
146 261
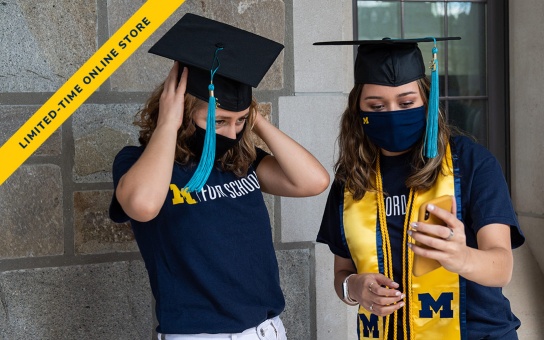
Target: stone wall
67 271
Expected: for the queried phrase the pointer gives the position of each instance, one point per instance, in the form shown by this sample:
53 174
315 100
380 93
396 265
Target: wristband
347 299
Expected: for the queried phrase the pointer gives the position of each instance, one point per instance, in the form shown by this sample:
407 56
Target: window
473 71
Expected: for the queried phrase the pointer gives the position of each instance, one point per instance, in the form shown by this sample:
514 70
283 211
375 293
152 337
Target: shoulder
130 150
475 161
128 154
471 154
466 145
331 229
260 154
124 160
335 198
337 187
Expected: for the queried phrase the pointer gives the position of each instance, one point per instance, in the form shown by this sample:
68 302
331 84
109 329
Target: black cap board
389 62
243 58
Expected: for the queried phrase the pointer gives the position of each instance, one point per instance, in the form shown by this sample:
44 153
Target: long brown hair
237 160
356 163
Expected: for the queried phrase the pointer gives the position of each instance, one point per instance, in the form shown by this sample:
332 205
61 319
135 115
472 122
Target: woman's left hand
291 170
446 244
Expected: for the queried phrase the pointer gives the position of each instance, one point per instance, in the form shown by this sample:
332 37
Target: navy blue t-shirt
485 200
209 255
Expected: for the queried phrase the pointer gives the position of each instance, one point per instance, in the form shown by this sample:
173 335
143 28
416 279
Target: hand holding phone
423 265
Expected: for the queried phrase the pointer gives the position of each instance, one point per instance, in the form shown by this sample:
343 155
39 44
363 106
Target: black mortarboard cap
389 62
243 61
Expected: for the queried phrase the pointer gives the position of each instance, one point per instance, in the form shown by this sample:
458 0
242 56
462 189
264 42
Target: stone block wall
66 270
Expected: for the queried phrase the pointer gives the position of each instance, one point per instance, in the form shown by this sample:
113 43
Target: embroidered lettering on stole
434 307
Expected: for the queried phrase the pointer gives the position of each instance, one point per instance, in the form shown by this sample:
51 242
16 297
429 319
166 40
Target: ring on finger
450 236
370 287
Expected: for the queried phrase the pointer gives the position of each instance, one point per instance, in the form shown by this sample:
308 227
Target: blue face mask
394 131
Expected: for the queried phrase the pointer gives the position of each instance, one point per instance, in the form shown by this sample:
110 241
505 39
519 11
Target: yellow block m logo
181 196
369 326
442 305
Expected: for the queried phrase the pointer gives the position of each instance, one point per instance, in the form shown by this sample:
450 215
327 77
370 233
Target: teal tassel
431 133
207 161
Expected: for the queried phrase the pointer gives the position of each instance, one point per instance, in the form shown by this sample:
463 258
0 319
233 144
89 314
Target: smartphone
423 265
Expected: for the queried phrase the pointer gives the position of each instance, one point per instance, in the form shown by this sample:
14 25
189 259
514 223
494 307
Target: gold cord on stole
407 258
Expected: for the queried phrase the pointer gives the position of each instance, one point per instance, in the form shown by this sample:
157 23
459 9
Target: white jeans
271 329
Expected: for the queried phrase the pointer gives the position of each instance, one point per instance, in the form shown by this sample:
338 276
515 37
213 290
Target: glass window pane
467 59
469 116
426 19
423 19
378 19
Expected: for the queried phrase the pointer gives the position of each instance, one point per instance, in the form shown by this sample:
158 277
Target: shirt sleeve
260 155
331 230
124 160
489 198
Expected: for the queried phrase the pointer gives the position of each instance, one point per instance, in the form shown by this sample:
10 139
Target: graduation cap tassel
205 166
431 133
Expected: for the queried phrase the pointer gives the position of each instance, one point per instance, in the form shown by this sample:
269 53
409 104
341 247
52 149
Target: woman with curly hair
415 277
193 190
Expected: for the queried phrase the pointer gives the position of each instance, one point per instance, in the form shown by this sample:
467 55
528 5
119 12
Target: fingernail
409 245
413 225
410 232
398 293
430 207
401 304
402 296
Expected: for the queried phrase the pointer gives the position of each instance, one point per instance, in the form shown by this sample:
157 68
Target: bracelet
347 299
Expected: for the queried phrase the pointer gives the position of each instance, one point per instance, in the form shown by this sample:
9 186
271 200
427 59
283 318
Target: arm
143 189
369 289
292 170
491 264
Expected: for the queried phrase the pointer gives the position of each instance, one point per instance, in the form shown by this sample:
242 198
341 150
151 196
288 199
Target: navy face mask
394 131
222 143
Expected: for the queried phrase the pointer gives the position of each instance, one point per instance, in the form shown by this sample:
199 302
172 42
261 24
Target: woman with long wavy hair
192 190
419 216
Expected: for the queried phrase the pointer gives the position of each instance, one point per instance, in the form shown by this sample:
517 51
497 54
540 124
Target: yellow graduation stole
435 301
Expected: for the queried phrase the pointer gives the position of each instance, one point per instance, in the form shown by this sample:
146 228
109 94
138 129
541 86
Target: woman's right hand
143 188
376 293
171 103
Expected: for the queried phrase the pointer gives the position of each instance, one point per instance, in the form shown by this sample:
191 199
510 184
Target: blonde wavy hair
357 158
237 160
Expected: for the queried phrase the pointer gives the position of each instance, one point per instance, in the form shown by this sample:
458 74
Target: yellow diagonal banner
83 83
